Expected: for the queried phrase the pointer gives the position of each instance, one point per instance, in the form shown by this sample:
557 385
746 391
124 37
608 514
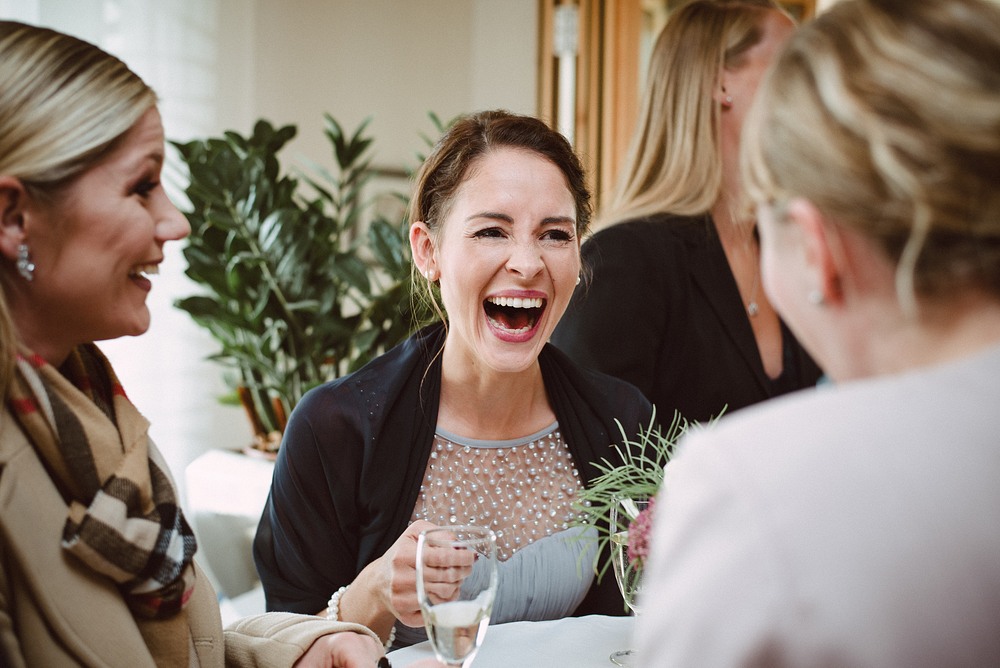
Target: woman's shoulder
655 237
657 228
380 377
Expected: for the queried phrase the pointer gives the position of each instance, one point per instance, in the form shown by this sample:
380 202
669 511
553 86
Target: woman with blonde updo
860 524
96 559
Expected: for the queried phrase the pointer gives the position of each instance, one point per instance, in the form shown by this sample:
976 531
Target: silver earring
816 298
729 99
578 279
25 266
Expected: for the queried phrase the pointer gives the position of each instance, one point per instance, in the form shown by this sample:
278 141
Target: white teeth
516 302
147 269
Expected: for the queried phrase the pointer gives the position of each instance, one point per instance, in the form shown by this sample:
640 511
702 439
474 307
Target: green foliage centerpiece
618 487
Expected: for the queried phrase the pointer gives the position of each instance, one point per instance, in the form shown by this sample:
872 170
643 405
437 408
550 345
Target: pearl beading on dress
523 491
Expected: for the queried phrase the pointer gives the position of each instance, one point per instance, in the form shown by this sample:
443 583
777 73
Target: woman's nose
525 259
171 224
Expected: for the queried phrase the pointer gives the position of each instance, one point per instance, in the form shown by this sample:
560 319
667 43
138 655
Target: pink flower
639 535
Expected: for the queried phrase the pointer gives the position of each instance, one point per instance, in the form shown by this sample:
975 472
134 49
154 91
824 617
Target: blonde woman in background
674 303
860 524
96 560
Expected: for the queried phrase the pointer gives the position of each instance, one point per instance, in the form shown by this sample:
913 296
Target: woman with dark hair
475 419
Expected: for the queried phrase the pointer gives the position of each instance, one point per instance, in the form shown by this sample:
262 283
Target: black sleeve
306 546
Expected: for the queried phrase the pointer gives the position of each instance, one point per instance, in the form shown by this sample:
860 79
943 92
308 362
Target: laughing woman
473 420
97 563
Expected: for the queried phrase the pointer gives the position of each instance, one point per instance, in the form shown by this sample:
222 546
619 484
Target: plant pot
265 443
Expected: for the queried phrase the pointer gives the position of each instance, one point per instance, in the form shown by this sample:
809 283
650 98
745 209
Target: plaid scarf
124 521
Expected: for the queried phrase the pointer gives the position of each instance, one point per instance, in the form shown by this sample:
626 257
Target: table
226 492
580 642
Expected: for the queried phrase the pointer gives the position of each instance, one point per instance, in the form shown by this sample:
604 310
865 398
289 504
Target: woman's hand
445 567
346 649
387 587
400 575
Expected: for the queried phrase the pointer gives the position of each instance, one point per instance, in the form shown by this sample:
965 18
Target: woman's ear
13 199
422 249
824 258
722 97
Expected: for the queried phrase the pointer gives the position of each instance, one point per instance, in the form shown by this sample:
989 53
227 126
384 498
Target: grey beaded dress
523 489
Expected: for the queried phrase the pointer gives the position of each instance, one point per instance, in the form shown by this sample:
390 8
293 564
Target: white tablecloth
577 642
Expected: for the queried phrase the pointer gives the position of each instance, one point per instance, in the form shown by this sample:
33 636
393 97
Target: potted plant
298 286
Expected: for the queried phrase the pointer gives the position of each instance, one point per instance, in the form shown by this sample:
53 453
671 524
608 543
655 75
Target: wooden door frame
606 103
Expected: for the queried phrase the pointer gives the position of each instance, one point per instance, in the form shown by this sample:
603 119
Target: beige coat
54 612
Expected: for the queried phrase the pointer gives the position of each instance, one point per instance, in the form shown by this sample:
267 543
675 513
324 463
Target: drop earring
25 266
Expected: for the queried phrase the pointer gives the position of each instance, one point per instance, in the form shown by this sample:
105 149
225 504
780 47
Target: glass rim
474 534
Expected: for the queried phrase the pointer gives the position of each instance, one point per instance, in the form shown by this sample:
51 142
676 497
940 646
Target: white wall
392 60
221 64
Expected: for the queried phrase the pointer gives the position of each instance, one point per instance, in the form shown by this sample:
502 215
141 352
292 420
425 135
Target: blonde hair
886 115
674 161
64 104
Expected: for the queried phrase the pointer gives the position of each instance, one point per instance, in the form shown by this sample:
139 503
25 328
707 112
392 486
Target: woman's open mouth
140 274
514 315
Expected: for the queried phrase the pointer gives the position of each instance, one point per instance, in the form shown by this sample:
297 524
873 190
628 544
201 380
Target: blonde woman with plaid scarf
96 558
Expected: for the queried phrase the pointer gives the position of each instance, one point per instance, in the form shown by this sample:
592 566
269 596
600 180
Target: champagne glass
627 573
456 585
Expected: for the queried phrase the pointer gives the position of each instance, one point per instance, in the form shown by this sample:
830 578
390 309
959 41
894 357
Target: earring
578 279
816 298
729 100
25 266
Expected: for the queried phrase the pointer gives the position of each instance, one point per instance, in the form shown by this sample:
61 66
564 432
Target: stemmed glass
456 617
627 573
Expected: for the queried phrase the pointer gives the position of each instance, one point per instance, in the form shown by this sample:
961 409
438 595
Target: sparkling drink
625 573
456 629
456 584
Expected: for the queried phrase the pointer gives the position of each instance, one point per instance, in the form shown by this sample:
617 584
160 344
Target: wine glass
627 572
456 585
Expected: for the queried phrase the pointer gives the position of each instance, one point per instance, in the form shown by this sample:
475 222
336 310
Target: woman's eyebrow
492 216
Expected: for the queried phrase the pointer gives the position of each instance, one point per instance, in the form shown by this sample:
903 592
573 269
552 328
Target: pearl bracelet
333 605
333 613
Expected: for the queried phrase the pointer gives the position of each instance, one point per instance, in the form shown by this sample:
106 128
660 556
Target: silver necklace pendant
752 309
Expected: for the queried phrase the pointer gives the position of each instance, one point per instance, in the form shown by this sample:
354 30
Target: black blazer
662 311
